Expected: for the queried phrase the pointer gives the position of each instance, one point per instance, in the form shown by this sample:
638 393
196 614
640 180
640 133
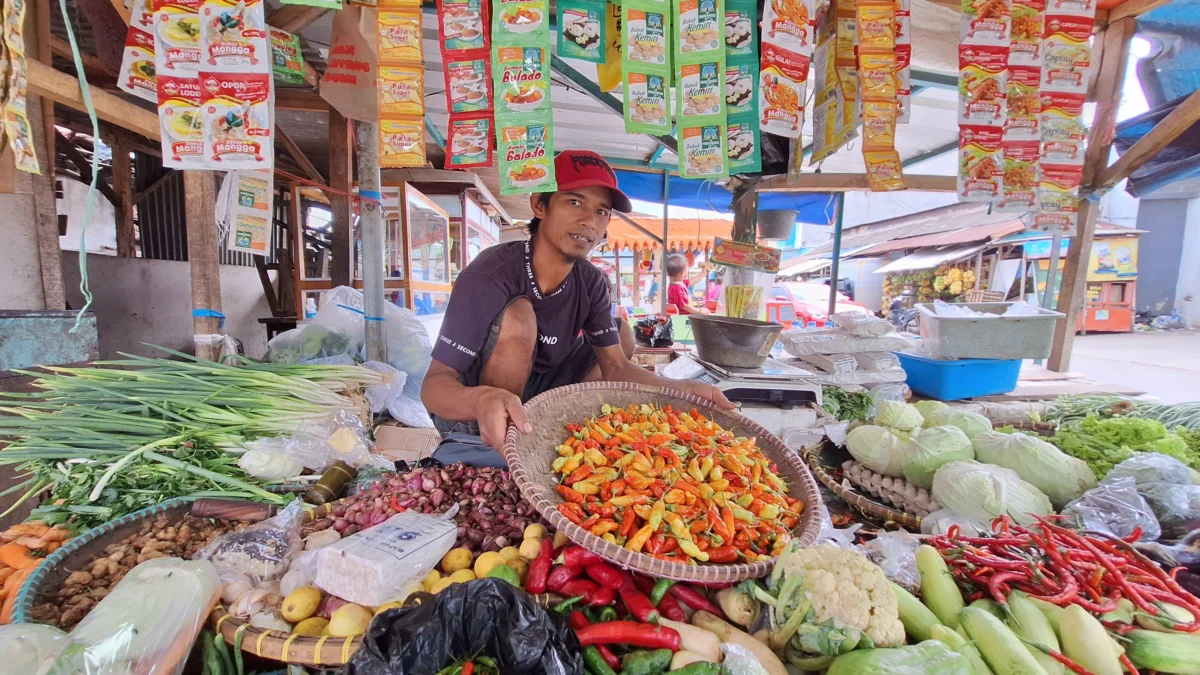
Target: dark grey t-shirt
504 272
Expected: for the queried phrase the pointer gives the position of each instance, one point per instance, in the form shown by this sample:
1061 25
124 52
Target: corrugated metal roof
966 235
923 260
942 219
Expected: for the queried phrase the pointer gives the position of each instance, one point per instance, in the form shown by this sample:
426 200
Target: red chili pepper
695 599
578 556
561 575
604 574
468 668
576 587
629 633
602 596
722 554
539 569
670 609
1125 659
996 584
628 523
396 505
578 622
638 604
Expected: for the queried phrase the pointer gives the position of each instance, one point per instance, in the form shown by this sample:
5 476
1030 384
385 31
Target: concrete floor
1164 363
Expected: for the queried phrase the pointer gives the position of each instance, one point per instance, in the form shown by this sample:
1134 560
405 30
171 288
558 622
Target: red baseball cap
584 168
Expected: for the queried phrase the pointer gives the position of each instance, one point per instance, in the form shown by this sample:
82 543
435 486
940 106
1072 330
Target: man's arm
614 367
491 407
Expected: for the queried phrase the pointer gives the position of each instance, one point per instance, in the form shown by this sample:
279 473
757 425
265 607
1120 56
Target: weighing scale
776 383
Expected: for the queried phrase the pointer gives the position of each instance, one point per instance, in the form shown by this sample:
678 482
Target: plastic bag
1115 507
1173 504
25 647
842 538
655 330
267 459
863 325
262 551
340 437
381 395
939 522
370 567
1151 467
740 661
896 555
147 624
487 617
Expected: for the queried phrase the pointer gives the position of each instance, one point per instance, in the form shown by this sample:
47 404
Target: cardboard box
405 443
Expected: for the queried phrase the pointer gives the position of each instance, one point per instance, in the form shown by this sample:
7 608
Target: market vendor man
529 316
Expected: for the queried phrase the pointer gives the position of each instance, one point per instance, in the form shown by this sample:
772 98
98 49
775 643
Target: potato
534 531
462 576
486 562
531 549
456 559
430 579
520 566
509 553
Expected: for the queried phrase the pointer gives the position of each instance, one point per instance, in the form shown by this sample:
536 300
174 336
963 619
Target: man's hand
704 390
494 407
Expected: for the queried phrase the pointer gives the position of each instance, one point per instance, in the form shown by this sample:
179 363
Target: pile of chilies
1062 566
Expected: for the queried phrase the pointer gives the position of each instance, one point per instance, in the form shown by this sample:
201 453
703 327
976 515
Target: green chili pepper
646 662
607 613
567 604
595 663
660 589
698 668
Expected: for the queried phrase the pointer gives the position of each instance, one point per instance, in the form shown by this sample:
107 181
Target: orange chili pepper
673 497
604 527
719 524
618 486
702 545
602 509
657 488
730 523
570 495
613 455
574 515
698 526
579 474
669 544
654 544
628 523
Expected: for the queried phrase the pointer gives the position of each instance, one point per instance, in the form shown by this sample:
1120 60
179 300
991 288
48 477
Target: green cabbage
931 449
1057 474
926 407
898 415
879 449
985 491
970 423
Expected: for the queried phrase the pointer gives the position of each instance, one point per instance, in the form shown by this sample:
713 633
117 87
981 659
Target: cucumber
988 606
1028 622
1003 651
968 649
917 619
938 589
1164 652
1085 642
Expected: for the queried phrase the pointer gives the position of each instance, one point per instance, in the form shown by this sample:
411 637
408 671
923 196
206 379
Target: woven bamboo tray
827 458
529 458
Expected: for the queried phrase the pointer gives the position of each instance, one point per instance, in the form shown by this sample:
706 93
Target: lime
506 573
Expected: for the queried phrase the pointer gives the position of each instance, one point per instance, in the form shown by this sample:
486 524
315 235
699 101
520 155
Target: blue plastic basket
965 378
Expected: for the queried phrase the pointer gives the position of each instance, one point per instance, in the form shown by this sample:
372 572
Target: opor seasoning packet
885 172
741 29
181 121
401 142
137 66
646 103
701 27
982 85
237 120
522 78
1066 54
788 24
1019 182
233 36
401 90
980 163
645 33
464 24
468 82
581 32
741 88
702 152
287 57
470 142
743 145
526 156
521 22
700 91
781 92
399 34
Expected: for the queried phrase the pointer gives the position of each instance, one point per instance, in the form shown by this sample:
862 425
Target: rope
85 91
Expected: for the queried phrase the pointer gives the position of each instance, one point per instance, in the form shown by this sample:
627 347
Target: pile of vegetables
22 549
491 513
1105 442
100 442
675 485
1067 411
847 406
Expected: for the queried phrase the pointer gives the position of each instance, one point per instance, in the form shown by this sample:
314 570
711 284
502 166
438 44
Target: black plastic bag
654 331
487 616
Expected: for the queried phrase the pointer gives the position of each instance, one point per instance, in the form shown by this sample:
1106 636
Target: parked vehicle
811 300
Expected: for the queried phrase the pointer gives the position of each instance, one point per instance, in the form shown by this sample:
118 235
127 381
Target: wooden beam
122 183
299 99
1168 129
200 198
92 65
341 175
1132 8
85 169
295 18
851 182
1110 79
119 5
45 211
63 88
298 155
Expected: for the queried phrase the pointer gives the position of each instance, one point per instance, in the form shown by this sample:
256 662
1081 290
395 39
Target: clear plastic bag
863 325
1173 504
340 437
939 522
25 647
267 459
147 624
896 555
372 567
262 552
1115 507
740 661
1151 467
381 395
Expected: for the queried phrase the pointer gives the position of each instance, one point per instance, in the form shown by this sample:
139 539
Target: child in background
677 293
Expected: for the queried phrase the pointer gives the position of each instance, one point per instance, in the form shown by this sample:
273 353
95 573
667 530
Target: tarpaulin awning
1178 161
924 260
806 267
966 235
683 234
814 207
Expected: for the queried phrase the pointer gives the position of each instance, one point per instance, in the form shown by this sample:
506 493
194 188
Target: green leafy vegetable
847 406
1105 442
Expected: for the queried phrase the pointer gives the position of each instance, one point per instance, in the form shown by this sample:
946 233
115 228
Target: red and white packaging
138 72
904 81
1023 103
980 163
781 91
1019 185
1028 28
141 16
181 122
237 117
986 22
982 85
234 37
177 37
789 24
1067 54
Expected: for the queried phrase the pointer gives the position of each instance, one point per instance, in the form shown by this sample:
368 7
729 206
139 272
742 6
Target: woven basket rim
856 500
545 501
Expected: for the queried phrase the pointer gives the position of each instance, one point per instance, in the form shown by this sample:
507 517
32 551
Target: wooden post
122 184
41 122
1109 83
200 198
341 173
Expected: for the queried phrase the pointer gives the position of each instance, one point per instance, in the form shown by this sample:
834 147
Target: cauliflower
848 588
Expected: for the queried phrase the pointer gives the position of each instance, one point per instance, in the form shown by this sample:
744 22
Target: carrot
12 586
18 557
51 547
5 573
56 534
